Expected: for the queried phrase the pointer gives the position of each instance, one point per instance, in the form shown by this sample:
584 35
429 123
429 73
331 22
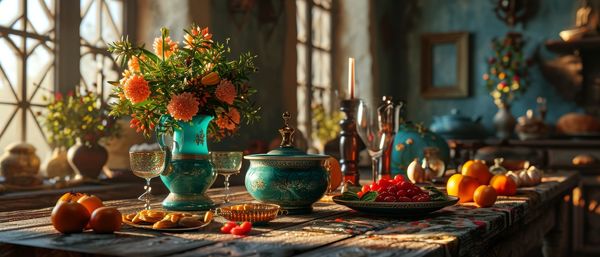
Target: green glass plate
396 208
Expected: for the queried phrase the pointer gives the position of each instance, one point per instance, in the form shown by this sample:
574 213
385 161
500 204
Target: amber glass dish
252 212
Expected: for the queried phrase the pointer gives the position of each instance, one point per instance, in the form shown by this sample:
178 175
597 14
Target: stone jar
20 165
87 159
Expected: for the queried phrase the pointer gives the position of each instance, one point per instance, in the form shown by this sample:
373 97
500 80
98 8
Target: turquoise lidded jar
188 172
287 176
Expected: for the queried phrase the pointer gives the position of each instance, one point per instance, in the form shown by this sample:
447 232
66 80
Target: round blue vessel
287 176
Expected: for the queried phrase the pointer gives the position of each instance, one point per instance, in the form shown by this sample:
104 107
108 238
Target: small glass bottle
497 169
433 162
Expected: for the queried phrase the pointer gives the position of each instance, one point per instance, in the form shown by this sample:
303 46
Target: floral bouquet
508 69
184 80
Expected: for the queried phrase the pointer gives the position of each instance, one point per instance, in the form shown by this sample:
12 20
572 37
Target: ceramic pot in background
117 166
20 165
58 166
504 122
87 159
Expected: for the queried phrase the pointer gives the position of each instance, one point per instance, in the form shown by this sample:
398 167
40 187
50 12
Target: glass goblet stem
374 167
147 194
226 182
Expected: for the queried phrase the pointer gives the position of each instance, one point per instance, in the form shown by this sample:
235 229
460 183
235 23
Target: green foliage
327 125
508 70
436 194
78 116
353 196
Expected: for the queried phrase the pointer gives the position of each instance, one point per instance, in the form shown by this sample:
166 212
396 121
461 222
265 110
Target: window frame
309 48
66 54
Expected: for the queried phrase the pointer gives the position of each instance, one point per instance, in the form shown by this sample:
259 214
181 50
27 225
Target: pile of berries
396 190
235 229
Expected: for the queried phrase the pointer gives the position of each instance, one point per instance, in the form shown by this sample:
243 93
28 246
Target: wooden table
513 227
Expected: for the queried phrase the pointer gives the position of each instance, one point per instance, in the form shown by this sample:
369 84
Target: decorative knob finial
287 132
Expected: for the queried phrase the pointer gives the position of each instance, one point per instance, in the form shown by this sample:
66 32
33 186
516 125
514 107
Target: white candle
351 77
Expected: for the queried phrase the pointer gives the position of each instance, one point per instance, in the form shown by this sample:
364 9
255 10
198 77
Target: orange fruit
69 217
335 173
504 185
485 196
478 170
106 220
462 187
90 202
69 197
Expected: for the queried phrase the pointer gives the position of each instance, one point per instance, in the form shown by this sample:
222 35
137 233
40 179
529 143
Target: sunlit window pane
321 28
301 16
8 71
303 111
40 15
301 71
321 64
102 23
40 73
12 130
11 10
26 68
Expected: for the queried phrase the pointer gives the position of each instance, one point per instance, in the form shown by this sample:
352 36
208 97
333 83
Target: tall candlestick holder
349 142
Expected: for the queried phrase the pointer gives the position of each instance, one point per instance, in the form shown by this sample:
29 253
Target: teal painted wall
247 34
400 25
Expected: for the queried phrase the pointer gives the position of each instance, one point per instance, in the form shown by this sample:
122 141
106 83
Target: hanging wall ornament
512 12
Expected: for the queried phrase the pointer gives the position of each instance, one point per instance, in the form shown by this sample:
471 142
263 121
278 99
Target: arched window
43 44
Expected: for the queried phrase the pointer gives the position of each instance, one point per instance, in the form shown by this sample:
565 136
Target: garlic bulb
535 174
415 172
525 179
515 177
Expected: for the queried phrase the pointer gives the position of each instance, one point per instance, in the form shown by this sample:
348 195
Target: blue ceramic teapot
457 126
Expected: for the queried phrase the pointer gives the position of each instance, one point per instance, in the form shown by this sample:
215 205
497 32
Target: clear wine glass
375 140
226 164
147 165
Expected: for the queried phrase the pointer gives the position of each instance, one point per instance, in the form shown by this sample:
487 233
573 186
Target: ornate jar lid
286 150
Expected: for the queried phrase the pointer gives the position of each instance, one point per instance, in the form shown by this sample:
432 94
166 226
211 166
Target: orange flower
171 46
230 120
192 39
183 107
234 114
226 91
134 64
136 89
126 75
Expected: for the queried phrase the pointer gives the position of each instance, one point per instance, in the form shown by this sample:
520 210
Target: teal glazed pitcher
188 172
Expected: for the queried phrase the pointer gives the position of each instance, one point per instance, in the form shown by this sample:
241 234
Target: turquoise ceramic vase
188 173
410 141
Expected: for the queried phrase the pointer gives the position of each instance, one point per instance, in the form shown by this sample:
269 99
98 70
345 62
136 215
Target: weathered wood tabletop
510 228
